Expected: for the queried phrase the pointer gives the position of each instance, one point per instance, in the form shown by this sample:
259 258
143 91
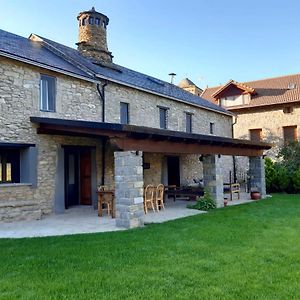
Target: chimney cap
93 12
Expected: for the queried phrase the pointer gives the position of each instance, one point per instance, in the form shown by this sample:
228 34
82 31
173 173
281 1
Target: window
255 134
9 166
91 20
188 122
289 134
163 117
84 22
211 128
124 113
97 21
47 93
288 110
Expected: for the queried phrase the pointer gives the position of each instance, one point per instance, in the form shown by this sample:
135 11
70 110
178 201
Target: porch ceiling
130 137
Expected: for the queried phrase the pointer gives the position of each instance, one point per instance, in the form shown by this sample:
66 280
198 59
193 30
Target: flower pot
255 195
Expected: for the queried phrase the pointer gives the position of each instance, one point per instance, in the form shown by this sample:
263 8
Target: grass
250 251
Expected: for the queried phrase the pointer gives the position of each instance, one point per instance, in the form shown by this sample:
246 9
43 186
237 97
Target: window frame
188 122
45 76
165 111
124 104
211 128
285 135
255 132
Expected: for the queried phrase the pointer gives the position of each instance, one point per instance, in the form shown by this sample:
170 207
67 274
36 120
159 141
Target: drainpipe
233 157
101 92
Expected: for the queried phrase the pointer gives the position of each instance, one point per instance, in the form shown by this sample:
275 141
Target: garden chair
149 198
159 197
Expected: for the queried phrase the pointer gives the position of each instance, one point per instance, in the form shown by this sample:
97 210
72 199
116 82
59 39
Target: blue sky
208 41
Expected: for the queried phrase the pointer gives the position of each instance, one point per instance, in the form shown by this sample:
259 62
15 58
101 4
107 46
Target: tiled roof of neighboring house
34 52
49 54
270 91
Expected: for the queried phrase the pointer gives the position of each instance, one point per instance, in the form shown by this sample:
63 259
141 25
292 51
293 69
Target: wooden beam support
129 144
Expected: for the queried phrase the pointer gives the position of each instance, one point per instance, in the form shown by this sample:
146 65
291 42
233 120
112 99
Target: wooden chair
149 198
105 198
159 197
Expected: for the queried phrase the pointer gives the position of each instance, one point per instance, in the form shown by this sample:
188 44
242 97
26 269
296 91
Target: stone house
72 120
266 110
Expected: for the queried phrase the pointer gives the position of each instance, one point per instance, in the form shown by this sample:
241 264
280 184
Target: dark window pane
91 20
47 93
211 128
188 123
163 118
97 21
124 113
10 166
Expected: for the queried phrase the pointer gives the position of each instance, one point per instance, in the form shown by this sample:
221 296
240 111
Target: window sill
14 184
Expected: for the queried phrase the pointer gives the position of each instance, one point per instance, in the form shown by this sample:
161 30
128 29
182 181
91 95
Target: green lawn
250 251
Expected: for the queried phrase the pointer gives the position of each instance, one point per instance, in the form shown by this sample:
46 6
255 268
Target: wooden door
85 177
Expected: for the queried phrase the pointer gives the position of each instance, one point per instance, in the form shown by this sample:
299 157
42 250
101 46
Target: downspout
233 157
101 92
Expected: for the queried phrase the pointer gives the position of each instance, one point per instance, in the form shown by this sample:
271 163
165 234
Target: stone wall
271 120
143 110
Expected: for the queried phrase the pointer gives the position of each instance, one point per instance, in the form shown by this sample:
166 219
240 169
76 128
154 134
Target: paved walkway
173 210
81 219
84 219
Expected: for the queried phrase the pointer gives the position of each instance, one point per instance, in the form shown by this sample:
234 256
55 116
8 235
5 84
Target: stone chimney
92 40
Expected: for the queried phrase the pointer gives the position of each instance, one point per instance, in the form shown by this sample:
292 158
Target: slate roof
270 91
52 54
24 48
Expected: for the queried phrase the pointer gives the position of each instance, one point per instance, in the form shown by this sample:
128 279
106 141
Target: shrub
284 175
205 203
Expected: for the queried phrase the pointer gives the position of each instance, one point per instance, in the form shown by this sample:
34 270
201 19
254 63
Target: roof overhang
147 139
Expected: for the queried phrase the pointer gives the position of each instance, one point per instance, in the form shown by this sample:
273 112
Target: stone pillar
257 174
129 183
213 178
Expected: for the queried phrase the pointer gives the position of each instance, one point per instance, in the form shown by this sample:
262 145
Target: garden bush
284 175
205 203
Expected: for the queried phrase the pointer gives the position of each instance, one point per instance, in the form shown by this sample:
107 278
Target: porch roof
131 137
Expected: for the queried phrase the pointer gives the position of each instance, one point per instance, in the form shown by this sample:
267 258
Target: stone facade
78 100
143 109
271 120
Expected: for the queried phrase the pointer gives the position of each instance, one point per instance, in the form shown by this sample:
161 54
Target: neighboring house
190 86
72 120
267 110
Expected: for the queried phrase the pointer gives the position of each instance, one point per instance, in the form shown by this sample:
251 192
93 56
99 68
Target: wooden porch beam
130 144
